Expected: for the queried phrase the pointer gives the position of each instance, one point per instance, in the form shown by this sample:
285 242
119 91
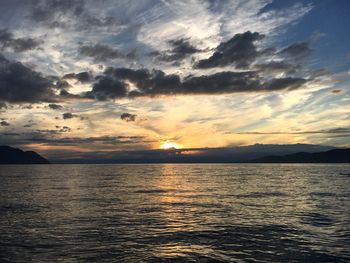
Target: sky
91 77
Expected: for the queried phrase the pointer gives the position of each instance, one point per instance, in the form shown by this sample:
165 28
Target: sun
170 145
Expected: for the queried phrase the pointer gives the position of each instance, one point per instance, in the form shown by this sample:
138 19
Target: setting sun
170 145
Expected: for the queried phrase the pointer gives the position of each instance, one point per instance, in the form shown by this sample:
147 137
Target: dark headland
9 155
332 156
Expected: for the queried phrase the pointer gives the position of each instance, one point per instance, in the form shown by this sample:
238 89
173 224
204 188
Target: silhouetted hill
332 156
236 154
9 155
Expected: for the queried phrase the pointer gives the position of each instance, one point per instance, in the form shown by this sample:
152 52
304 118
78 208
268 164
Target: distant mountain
234 154
9 155
332 156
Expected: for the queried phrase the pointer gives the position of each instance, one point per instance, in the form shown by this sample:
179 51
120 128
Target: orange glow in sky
170 145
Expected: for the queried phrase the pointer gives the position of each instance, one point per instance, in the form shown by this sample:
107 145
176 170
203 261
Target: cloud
67 14
52 137
3 105
100 52
68 115
222 82
4 123
54 11
148 83
29 124
111 140
329 131
239 51
277 67
8 41
61 84
64 94
336 91
128 117
107 88
19 84
232 82
82 76
115 83
297 50
64 129
54 106
288 83
181 48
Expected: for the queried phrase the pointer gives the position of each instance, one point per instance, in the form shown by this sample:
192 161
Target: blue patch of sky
331 17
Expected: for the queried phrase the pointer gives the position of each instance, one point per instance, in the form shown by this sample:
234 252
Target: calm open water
175 212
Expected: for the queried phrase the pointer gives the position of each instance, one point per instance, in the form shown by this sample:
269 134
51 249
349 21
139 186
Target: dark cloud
3 105
149 83
100 52
181 48
336 91
232 82
30 123
274 67
61 84
65 129
45 132
114 83
27 107
68 115
19 84
54 106
52 10
4 123
64 94
52 137
128 117
135 75
297 50
82 76
8 41
239 51
288 83
64 14
107 88
113 140
222 82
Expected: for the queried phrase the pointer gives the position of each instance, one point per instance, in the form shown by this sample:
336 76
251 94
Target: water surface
175 212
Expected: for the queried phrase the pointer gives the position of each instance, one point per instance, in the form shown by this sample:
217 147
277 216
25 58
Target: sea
175 213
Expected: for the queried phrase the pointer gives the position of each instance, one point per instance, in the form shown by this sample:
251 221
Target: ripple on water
175 213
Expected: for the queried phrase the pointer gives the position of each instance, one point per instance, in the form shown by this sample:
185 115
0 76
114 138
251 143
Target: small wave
152 191
261 195
322 194
317 220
